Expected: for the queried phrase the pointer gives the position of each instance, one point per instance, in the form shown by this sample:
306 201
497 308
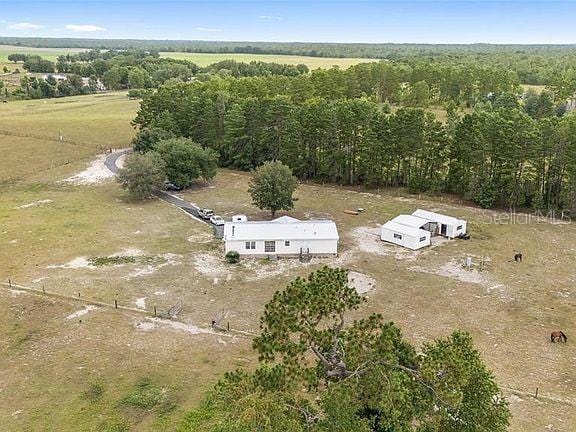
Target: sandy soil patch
360 282
96 172
39 203
456 270
367 240
87 309
140 303
157 323
80 262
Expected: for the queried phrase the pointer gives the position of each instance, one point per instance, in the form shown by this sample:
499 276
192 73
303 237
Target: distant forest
534 64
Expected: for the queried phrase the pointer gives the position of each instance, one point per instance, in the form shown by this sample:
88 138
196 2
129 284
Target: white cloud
84 28
24 26
208 29
269 18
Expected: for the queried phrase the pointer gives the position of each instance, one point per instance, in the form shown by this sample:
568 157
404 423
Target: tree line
506 152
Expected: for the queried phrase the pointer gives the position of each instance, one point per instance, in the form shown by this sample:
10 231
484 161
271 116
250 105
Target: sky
420 21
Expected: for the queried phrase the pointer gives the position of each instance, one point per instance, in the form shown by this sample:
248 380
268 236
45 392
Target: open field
204 59
89 360
29 131
47 53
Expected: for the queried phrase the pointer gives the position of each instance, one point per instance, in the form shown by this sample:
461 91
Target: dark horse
518 257
558 336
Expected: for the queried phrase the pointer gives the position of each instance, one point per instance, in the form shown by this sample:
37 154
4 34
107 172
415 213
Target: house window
269 246
422 239
250 245
459 227
398 236
286 243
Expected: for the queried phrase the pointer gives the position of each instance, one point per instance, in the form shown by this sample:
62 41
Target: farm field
89 240
205 59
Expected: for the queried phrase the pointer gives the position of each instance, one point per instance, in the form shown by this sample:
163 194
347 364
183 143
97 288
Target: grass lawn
93 362
204 59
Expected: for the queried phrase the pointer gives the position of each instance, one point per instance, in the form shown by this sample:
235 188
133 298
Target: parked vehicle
205 213
216 220
172 187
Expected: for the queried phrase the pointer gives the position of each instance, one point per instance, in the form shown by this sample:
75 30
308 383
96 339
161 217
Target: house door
443 229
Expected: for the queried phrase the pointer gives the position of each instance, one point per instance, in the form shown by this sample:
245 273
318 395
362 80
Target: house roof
282 228
410 220
405 229
437 217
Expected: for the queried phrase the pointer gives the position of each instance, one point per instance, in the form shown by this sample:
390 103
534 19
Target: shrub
232 257
142 174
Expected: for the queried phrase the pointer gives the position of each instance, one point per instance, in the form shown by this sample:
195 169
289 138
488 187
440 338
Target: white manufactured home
410 237
446 226
282 237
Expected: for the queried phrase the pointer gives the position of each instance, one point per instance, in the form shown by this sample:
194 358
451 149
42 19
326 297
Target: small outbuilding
410 237
446 226
282 237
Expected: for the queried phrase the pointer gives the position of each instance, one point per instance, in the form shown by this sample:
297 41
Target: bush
232 257
142 174
187 161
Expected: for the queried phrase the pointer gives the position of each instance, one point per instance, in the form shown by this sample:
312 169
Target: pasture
90 241
205 59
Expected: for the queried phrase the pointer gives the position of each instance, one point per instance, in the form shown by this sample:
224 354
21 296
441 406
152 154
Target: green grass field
202 59
47 53
92 363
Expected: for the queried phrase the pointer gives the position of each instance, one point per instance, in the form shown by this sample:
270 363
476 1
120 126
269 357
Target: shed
404 235
284 236
447 226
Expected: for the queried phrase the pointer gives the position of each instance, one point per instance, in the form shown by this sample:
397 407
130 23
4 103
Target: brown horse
518 257
558 336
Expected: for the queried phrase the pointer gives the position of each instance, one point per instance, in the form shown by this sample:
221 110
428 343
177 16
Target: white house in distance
411 236
446 226
282 237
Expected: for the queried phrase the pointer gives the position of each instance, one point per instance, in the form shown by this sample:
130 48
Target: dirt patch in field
96 172
361 283
455 269
39 203
87 309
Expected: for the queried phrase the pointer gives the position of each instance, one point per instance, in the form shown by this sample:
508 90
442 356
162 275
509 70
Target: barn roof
282 228
437 217
410 220
405 229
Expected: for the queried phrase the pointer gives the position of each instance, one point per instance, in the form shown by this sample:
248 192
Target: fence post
116 303
228 326
154 311
9 283
536 394
43 289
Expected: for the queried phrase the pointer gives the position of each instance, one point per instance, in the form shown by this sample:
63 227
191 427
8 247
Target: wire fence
168 313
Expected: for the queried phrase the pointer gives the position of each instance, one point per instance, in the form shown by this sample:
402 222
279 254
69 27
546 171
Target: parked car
205 213
216 220
172 187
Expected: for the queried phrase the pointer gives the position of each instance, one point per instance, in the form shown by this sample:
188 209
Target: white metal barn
284 236
447 226
404 235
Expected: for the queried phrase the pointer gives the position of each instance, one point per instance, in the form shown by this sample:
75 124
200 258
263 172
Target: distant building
446 226
282 237
411 236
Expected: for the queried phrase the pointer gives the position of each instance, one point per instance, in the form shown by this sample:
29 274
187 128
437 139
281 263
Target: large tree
187 161
321 371
272 187
142 174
